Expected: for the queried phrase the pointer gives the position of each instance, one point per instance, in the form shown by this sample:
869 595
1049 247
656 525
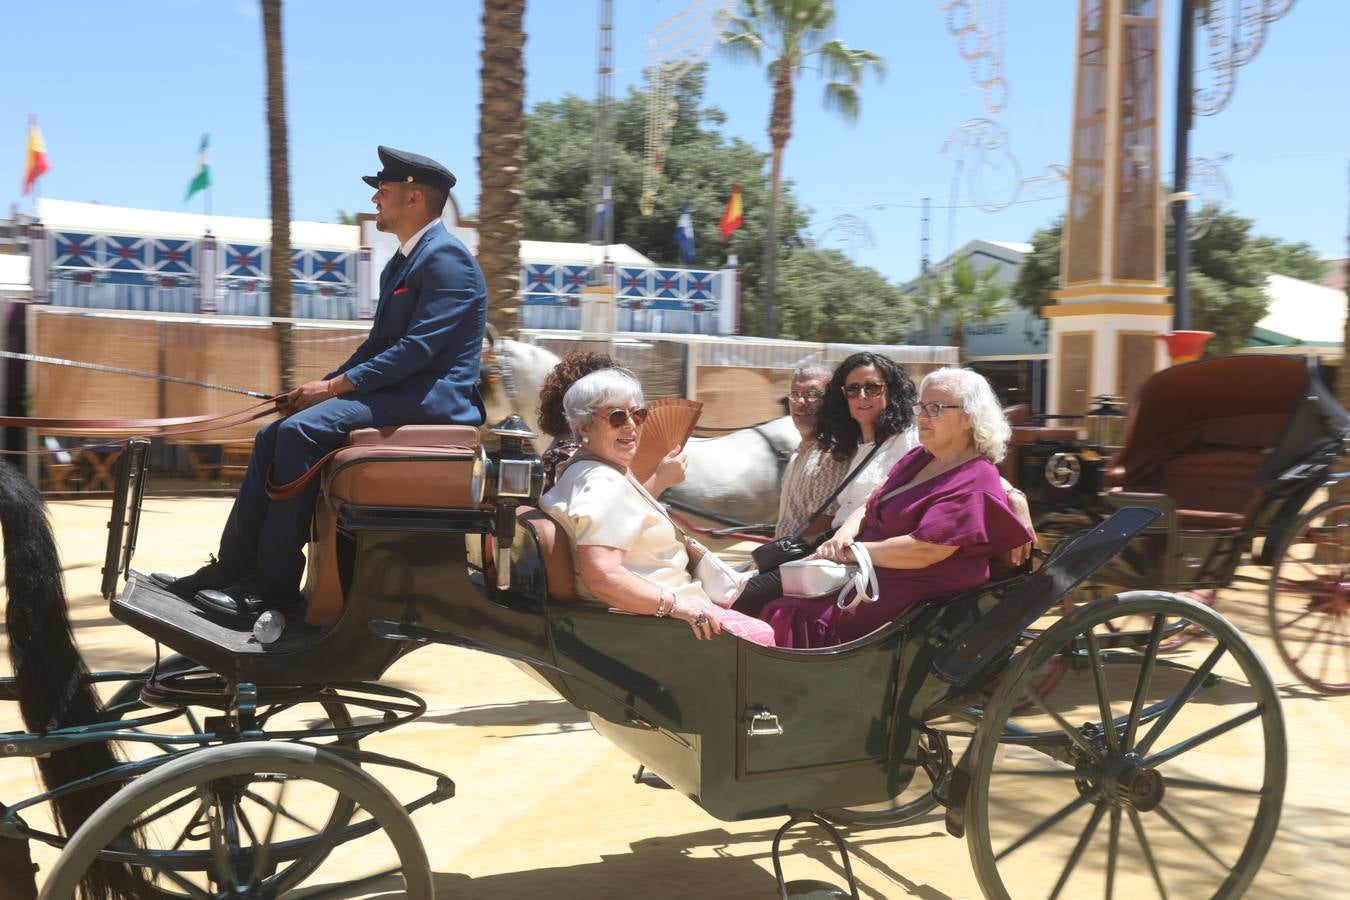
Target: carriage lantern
1106 423
511 476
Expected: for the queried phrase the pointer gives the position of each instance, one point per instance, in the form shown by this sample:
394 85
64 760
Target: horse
51 683
735 478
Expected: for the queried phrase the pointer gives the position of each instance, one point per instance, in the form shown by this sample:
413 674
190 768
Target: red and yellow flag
36 165
732 218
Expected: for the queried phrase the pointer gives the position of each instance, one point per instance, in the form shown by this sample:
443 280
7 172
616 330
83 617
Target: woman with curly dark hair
553 421
866 418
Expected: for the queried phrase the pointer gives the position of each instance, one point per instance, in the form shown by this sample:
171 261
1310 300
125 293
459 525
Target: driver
419 365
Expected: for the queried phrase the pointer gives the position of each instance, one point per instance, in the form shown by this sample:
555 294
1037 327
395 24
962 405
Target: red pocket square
402 290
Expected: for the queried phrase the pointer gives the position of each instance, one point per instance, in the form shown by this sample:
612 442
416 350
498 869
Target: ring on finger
700 620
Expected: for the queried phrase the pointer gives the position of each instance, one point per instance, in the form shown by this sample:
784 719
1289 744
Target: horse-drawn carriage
1237 456
1107 777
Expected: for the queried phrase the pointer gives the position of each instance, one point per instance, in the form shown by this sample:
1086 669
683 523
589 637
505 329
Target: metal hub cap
1137 785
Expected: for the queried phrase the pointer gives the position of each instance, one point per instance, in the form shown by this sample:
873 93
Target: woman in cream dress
625 548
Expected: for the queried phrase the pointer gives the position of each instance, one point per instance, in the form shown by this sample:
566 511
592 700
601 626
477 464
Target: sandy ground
545 807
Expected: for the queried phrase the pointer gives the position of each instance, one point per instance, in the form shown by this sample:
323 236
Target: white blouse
598 505
856 492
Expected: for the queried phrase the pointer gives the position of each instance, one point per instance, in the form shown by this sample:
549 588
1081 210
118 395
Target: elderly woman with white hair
932 527
626 549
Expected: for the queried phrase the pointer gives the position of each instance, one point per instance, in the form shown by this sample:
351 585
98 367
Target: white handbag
819 577
720 582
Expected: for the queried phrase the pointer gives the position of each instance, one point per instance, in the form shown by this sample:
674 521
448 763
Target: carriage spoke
1065 811
1078 849
1209 734
1181 699
1138 825
149 861
219 850
1103 698
161 813
262 859
193 823
352 888
1198 785
1312 639
1064 725
276 809
1112 851
1296 619
1176 823
1145 677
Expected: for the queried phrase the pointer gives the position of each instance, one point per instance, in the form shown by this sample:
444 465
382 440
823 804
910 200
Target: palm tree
960 297
501 159
795 33
279 175
1343 373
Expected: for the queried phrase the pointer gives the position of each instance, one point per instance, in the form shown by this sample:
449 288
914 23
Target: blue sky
123 92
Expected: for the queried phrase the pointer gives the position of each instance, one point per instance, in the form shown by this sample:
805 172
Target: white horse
735 477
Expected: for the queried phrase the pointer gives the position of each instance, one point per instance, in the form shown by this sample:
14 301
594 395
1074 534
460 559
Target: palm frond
741 41
842 98
843 62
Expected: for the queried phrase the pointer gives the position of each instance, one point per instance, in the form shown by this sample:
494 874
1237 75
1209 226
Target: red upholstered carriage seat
413 466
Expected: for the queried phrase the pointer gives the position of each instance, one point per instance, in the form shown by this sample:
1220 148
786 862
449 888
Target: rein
119 430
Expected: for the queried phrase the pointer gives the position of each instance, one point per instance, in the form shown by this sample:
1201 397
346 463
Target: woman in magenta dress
931 528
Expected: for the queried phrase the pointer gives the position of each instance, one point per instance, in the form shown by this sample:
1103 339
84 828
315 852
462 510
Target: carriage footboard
971 652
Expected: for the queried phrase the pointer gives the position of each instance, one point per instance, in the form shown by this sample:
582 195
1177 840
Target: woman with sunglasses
624 547
866 418
553 422
931 529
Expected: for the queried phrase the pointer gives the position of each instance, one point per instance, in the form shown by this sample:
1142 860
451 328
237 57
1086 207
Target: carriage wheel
1308 605
1137 776
290 716
286 780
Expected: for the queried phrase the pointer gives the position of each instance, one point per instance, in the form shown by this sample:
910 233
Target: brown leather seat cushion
554 551
419 466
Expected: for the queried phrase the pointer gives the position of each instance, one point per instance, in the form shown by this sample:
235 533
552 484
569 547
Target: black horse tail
50 676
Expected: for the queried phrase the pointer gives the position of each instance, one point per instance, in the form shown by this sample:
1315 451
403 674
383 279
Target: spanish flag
36 165
732 218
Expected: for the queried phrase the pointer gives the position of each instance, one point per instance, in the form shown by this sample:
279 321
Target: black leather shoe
212 576
247 598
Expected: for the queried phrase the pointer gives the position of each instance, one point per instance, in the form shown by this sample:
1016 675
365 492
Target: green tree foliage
796 35
959 296
1038 275
1228 273
700 169
825 297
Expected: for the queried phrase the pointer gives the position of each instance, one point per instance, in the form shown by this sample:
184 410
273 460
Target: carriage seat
554 551
401 466
1211 469
404 465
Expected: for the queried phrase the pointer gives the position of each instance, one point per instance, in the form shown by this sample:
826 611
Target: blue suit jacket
420 362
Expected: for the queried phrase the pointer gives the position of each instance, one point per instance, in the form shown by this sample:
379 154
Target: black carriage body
1227 449
746 731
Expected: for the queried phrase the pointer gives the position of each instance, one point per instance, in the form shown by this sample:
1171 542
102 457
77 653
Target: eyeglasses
806 396
869 389
618 417
934 409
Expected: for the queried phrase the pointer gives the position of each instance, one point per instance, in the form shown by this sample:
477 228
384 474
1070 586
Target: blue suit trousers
268 534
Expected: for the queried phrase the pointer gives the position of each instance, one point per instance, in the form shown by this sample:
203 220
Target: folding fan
669 425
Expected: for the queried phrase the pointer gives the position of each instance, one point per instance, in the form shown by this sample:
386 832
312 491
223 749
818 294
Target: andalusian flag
202 180
35 166
733 218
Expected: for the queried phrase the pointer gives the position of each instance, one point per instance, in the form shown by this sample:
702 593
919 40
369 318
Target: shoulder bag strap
843 484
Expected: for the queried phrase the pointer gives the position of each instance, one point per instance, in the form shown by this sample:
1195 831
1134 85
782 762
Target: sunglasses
805 396
617 417
934 409
870 389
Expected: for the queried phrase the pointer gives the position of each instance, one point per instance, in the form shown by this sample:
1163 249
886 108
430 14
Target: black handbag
768 557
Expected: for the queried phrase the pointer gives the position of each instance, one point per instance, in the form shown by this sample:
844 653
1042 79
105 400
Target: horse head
512 374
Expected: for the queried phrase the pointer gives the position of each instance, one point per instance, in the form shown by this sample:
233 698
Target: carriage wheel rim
1320 613
1118 775
233 761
